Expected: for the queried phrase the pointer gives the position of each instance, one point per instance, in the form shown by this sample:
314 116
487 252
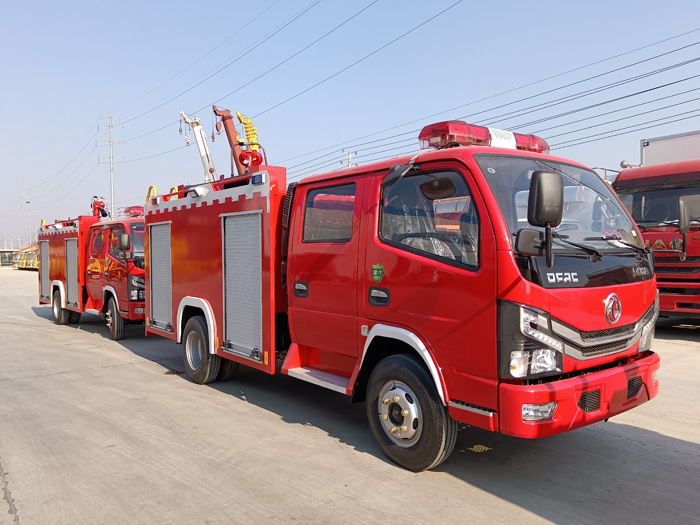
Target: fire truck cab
94 266
474 283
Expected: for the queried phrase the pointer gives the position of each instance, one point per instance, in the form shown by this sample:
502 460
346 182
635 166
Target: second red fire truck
475 283
94 266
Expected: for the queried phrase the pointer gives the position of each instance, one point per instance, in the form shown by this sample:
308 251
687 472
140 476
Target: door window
328 214
96 243
114 234
432 214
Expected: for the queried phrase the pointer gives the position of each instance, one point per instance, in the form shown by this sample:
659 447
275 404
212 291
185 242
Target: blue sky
526 66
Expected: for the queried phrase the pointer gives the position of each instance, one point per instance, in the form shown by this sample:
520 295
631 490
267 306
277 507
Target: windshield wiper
619 239
582 247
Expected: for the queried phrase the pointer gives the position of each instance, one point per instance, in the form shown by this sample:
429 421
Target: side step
320 378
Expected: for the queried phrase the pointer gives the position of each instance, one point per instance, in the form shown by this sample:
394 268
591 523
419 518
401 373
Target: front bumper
581 400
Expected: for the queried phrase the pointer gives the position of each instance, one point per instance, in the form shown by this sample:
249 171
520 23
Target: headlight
526 345
539 412
138 281
647 338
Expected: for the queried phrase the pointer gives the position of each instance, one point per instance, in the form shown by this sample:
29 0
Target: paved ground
94 431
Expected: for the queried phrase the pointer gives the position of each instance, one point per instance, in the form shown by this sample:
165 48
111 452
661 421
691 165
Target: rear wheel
226 370
60 314
115 323
201 366
73 317
406 415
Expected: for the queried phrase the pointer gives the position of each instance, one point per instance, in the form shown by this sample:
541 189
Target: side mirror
529 242
683 216
546 200
545 205
683 226
124 241
396 173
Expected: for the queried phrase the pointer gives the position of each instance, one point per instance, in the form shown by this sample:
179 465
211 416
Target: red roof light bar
458 133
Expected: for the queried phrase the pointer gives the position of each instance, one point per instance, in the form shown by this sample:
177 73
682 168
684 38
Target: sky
321 79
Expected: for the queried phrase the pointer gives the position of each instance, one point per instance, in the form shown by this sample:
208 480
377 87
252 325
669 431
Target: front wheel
115 322
406 415
201 366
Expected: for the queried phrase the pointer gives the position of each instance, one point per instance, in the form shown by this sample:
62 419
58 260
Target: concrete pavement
94 431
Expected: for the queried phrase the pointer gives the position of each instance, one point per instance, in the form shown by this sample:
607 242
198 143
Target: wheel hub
400 413
194 348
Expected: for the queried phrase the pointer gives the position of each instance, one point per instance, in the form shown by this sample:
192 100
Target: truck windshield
137 245
651 207
592 215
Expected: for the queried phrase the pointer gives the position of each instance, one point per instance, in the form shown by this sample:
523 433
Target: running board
320 378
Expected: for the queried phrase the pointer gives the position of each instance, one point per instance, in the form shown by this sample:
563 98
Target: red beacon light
453 133
133 211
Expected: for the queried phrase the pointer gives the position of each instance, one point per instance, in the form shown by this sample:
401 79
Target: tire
406 415
73 317
227 369
115 323
60 314
201 366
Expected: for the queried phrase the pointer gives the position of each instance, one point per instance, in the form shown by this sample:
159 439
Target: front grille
677 270
618 330
607 347
589 401
633 387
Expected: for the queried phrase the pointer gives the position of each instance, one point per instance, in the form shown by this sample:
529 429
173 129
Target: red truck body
410 294
651 195
82 269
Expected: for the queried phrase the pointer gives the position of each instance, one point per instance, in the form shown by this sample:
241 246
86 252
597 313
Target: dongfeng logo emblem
613 308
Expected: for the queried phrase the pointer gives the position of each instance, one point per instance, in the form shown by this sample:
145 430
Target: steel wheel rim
399 414
56 308
108 317
194 349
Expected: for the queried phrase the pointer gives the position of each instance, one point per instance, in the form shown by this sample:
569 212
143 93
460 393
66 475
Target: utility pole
110 125
29 202
350 154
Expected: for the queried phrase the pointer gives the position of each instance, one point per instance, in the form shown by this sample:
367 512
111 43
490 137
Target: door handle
89 273
106 274
379 296
301 289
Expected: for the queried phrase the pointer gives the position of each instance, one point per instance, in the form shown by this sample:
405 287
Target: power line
67 176
241 55
72 189
358 61
200 58
629 127
298 52
500 93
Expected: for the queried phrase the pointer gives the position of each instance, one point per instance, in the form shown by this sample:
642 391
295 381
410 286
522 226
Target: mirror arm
548 245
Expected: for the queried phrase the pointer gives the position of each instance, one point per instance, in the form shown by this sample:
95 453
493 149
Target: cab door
322 277
115 271
431 270
94 273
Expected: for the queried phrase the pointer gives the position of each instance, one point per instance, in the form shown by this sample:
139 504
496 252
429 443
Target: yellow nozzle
251 132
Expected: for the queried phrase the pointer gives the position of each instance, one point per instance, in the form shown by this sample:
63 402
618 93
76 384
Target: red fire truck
95 266
652 195
474 283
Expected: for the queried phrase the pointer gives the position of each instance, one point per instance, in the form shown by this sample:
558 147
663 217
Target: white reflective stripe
203 305
114 294
61 292
401 334
501 138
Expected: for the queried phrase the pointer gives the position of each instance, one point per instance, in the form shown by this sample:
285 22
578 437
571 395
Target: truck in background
670 148
94 266
476 283
651 195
